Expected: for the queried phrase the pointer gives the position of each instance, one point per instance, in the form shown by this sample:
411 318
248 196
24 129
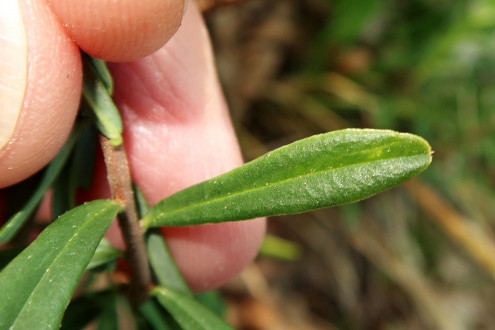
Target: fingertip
177 132
50 96
120 31
211 255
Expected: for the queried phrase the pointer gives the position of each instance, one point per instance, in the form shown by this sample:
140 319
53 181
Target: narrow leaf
35 288
77 173
163 264
98 97
277 247
141 202
157 316
320 171
15 223
189 313
104 253
213 301
100 69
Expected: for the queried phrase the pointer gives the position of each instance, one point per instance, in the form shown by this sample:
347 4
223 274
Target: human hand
176 126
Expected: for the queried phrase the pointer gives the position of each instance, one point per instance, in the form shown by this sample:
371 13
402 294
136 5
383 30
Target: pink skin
177 129
51 96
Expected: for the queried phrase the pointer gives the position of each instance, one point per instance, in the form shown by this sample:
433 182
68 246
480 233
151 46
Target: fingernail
184 9
13 67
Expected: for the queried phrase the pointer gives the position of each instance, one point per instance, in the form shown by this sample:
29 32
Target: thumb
40 87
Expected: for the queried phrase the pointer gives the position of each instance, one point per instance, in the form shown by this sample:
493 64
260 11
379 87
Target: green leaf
189 313
159 318
280 248
104 253
320 171
141 202
15 223
109 318
77 173
100 69
35 288
163 264
213 301
107 116
84 309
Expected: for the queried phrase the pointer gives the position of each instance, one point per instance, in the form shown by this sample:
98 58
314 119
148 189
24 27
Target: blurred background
420 256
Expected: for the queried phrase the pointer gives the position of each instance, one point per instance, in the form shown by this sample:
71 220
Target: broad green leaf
107 116
163 264
15 223
320 171
35 288
189 313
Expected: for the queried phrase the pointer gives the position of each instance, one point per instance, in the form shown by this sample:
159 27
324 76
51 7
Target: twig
119 179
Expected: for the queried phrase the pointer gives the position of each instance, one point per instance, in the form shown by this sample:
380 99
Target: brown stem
119 179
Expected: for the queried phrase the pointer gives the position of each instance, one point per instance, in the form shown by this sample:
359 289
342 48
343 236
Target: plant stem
119 179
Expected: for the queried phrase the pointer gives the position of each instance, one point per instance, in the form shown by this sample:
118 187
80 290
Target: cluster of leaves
36 286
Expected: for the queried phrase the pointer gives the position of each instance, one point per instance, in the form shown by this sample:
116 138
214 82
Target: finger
40 87
119 30
177 133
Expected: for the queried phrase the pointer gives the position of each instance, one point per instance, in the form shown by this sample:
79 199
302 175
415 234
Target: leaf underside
320 171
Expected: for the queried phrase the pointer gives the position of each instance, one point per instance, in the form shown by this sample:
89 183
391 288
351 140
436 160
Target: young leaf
15 223
101 71
320 171
189 313
97 95
35 288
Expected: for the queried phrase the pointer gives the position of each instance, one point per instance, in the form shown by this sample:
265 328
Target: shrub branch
119 179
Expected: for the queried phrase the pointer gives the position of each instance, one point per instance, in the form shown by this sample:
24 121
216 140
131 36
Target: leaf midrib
86 223
214 200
